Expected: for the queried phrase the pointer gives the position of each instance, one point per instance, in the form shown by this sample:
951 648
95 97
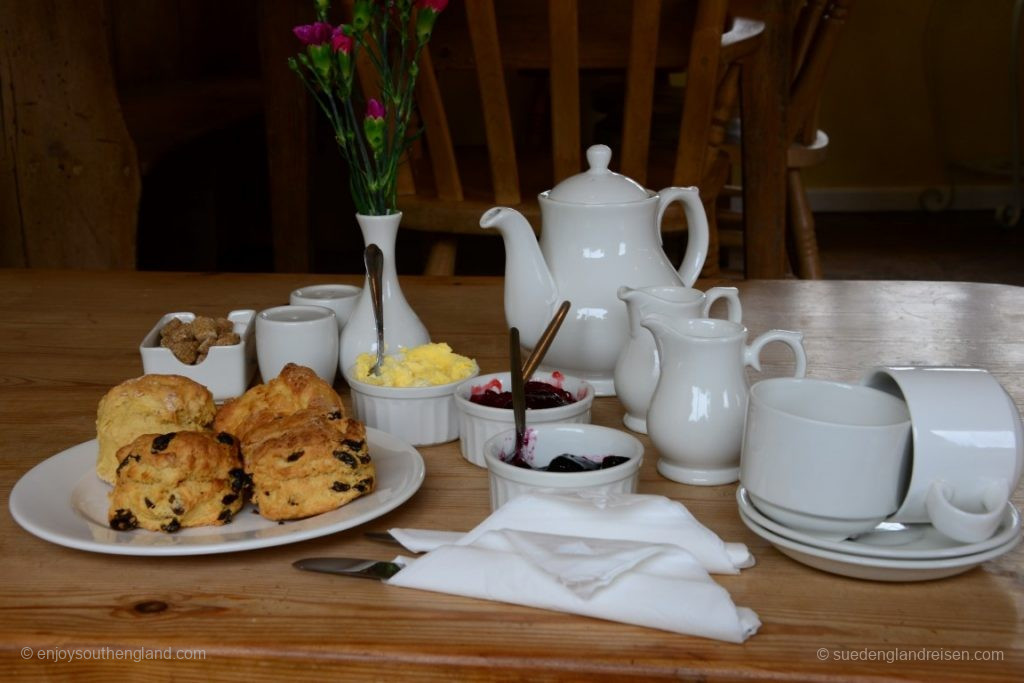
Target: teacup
339 298
825 457
967 447
305 335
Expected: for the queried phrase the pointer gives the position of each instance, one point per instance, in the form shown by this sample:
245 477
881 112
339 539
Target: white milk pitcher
700 402
638 366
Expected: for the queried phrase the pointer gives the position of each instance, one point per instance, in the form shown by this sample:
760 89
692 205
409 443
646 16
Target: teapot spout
530 291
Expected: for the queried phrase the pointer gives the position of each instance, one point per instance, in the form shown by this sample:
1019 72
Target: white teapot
601 230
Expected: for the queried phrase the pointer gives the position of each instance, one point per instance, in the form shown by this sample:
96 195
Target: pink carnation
374 109
436 5
314 34
341 42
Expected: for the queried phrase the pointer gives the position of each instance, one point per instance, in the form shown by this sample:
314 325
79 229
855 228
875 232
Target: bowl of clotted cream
413 396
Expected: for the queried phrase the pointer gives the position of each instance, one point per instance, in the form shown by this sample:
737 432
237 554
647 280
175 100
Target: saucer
897 542
875 568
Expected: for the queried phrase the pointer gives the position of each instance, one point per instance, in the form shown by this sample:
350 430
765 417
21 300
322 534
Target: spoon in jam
374 260
518 395
537 355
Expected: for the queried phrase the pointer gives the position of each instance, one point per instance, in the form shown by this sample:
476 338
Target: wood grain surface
66 337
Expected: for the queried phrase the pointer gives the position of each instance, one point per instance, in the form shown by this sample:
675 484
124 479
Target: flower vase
402 328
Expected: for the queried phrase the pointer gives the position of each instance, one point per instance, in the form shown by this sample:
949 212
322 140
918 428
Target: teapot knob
598 157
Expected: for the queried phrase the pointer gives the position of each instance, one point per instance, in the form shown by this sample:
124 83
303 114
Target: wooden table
66 337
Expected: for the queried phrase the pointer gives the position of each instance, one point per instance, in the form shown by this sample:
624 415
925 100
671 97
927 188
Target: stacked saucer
904 477
890 552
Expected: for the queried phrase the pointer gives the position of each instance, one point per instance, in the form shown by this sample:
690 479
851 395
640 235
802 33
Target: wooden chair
441 191
817 27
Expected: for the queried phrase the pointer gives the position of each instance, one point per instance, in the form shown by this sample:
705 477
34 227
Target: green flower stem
373 171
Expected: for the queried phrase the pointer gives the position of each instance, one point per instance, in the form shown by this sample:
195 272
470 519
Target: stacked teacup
914 465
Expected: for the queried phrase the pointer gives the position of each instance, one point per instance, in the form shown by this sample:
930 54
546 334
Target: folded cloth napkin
655 585
630 516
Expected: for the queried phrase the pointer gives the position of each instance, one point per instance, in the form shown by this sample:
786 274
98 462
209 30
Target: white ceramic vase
402 328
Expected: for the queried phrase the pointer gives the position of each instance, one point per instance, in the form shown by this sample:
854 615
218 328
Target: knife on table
349 566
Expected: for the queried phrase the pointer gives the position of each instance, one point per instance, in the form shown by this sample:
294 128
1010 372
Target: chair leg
712 268
441 260
801 224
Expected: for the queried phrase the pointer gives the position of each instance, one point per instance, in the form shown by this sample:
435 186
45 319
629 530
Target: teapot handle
697 225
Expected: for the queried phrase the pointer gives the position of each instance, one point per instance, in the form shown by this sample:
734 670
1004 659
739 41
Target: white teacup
825 457
304 335
967 443
339 298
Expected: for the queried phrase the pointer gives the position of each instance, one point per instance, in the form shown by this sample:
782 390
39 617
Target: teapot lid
598 185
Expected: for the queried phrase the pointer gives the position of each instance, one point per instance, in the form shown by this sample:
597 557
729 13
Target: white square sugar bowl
226 371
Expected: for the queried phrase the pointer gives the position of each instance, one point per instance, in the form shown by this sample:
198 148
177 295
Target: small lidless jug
698 408
638 366
600 231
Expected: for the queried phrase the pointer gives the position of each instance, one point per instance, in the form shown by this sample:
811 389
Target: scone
167 482
296 388
151 404
307 463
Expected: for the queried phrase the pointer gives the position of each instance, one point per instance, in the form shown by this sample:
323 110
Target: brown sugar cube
228 339
204 327
224 326
185 351
175 330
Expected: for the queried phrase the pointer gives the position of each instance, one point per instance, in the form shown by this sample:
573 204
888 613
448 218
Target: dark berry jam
539 395
567 462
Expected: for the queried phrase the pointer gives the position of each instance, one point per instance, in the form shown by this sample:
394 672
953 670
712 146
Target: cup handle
963 526
794 340
732 301
697 237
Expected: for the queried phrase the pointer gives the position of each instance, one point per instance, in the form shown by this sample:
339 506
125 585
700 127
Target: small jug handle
794 340
732 301
697 226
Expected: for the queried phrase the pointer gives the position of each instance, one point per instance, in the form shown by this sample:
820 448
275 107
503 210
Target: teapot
600 231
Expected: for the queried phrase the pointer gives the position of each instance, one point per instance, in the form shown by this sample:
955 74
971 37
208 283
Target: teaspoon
545 341
374 260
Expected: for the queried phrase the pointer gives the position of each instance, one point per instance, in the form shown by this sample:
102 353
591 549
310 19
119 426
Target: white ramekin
479 423
422 416
547 441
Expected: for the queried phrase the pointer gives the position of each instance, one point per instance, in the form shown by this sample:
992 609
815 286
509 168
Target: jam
567 462
539 395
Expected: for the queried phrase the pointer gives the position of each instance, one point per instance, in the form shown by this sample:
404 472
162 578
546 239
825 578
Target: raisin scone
151 404
296 388
307 463
167 482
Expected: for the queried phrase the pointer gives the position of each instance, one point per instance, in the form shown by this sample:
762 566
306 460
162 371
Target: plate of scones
171 473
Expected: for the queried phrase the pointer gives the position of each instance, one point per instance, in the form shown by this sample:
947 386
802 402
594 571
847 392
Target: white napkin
630 516
654 585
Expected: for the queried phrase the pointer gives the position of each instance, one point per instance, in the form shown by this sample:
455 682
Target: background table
66 337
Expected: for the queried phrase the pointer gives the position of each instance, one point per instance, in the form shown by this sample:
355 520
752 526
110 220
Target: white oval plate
61 500
876 568
924 542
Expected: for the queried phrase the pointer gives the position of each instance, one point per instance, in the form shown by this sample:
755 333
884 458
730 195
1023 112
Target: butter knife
349 566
